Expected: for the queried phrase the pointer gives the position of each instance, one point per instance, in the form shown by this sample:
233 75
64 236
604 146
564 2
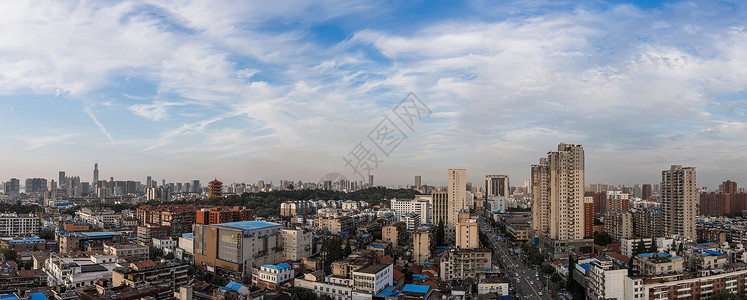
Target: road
522 276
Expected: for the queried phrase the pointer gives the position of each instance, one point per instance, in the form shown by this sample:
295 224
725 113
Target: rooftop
372 269
278 266
247 225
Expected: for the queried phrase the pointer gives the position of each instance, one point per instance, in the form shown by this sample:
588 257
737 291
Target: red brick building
217 215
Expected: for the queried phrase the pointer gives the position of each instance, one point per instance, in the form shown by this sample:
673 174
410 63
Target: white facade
500 288
419 206
187 242
373 279
296 243
276 274
164 243
335 287
605 281
497 203
14 225
78 272
627 246
412 221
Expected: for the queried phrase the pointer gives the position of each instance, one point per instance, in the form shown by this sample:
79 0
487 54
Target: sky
250 90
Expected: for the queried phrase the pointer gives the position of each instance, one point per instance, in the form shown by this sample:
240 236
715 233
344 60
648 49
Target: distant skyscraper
646 191
679 197
148 182
12 186
370 181
196 187
95 174
36 185
61 180
417 181
558 193
497 185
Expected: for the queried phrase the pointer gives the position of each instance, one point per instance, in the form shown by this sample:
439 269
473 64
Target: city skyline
284 91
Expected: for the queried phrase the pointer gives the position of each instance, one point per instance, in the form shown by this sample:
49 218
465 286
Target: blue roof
248 225
9 297
38 296
233 286
344 232
708 244
278 267
715 252
662 254
645 254
484 269
506 298
188 235
98 235
423 289
28 239
419 277
676 257
387 292
586 267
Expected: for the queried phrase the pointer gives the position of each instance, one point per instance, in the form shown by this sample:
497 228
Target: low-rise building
87 241
465 263
126 250
372 279
333 286
165 244
147 232
334 225
148 273
272 276
496 284
78 272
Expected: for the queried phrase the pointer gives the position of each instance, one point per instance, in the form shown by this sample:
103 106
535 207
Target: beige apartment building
558 193
467 233
679 197
423 243
457 198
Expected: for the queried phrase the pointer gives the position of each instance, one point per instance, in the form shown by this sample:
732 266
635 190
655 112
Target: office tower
95 173
417 182
216 189
456 202
558 193
12 186
196 187
497 185
617 201
370 181
646 191
148 182
61 182
678 194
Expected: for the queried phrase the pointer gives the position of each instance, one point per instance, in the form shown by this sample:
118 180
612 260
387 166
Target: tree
547 269
9 254
170 255
640 248
556 278
155 253
348 249
440 233
602 238
46 234
681 247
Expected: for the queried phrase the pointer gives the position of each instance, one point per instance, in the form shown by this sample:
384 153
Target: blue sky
250 90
